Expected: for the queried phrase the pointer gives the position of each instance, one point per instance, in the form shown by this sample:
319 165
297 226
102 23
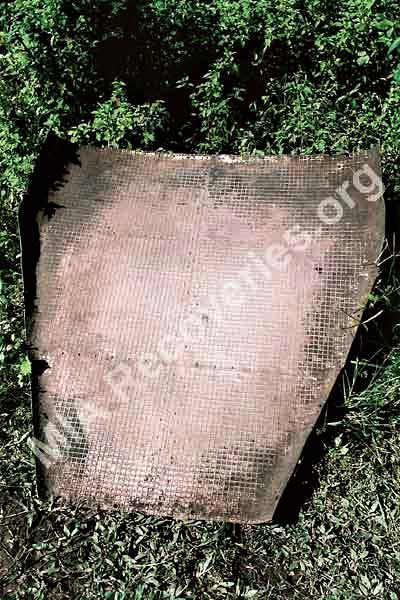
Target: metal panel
188 319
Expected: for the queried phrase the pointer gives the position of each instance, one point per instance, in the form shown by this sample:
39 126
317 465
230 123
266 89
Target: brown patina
191 315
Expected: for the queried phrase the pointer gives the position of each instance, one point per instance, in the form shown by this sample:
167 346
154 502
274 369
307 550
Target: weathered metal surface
194 313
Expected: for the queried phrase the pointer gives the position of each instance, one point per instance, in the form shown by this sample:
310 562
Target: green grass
251 76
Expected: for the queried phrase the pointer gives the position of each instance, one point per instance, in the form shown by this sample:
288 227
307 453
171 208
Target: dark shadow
49 174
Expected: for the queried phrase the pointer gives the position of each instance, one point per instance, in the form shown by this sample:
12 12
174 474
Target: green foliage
241 76
332 65
258 76
48 78
395 46
117 123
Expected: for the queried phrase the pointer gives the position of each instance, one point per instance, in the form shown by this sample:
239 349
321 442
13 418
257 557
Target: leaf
25 367
251 594
384 24
363 59
394 46
378 589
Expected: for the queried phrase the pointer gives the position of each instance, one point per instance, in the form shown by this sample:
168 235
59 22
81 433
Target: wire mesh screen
189 318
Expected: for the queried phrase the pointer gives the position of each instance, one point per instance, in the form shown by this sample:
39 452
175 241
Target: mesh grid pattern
191 333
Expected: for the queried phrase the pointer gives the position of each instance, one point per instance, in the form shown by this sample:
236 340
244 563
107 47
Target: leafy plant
395 46
117 123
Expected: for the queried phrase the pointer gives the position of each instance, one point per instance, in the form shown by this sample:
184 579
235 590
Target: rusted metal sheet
188 317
